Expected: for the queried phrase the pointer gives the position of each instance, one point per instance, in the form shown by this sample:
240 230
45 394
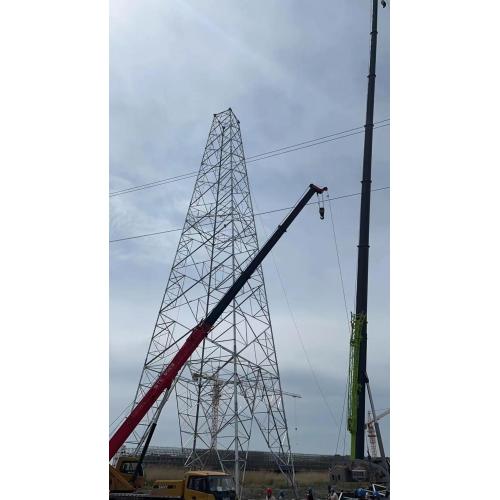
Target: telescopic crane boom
200 331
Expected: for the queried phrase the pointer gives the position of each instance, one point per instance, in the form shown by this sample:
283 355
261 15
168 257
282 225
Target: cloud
291 72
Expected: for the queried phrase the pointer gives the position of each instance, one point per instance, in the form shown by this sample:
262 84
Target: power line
314 140
154 184
116 419
146 234
260 213
261 156
316 143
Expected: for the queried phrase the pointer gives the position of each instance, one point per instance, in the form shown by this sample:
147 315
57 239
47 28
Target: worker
269 494
332 494
309 495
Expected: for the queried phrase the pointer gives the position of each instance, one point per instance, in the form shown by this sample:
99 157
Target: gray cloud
291 72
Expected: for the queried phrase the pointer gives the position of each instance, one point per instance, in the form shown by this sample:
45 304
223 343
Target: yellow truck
196 485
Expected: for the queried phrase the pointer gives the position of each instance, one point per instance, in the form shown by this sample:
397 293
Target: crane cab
121 477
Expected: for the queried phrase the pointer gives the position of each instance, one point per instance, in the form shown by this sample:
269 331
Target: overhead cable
144 235
261 156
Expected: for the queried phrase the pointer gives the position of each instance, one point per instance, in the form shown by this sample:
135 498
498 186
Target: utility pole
364 238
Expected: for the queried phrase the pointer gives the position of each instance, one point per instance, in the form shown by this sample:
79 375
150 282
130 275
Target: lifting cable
342 421
345 436
320 390
296 434
327 405
339 264
346 312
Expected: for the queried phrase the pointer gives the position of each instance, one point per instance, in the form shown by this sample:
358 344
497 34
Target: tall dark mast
364 236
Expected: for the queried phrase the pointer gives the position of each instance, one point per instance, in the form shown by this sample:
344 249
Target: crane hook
321 205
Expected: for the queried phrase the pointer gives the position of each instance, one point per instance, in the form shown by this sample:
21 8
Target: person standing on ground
309 495
269 494
332 494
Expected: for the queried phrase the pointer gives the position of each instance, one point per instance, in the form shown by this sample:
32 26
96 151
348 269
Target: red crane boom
200 331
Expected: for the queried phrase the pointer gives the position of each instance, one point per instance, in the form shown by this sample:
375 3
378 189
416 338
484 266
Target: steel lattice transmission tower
232 381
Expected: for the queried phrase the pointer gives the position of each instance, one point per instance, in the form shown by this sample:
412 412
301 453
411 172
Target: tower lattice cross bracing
231 384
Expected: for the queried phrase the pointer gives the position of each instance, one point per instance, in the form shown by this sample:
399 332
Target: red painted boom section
164 382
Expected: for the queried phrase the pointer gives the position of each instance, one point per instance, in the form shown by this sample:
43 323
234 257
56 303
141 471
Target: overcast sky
291 71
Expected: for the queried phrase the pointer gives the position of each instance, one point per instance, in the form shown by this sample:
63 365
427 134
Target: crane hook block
321 213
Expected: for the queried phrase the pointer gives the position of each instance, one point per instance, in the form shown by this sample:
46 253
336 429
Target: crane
167 377
218 385
372 432
375 425
380 416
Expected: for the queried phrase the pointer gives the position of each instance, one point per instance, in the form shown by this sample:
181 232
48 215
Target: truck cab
197 485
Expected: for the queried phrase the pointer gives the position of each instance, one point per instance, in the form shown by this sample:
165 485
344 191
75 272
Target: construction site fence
256 460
